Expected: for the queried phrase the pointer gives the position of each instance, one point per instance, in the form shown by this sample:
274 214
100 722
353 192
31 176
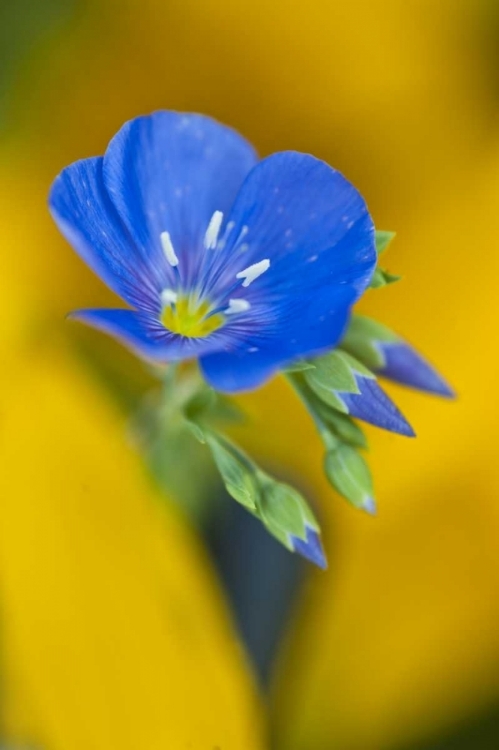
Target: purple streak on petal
310 548
405 365
372 405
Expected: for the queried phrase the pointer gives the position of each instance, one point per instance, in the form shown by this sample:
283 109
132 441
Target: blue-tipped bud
345 384
287 516
372 405
310 548
405 365
388 355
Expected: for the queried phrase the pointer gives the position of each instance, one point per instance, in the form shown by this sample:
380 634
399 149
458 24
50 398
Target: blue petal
310 548
308 220
405 365
170 172
372 405
144 335
84 214
314 228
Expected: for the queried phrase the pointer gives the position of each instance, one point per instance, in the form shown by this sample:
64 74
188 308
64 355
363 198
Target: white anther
168 250
237 306
169 297
211 236
253 272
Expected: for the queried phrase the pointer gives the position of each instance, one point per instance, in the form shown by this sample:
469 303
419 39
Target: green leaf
382 278
362 337
236 470
349 474
383 239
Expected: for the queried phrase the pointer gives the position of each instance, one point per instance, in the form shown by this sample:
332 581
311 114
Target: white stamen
169 297
168 250
253 272
223 240
211 236
242 234
237 306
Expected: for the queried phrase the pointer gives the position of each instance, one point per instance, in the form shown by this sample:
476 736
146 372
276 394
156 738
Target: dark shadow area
262 580
478 733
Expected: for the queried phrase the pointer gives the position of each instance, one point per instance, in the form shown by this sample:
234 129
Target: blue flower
243 264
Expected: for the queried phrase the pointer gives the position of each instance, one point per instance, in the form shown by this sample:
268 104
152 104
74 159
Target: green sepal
331 424
349 474
333 373
382 278
284 511
199 405
208 405
383 239
362 338
236 469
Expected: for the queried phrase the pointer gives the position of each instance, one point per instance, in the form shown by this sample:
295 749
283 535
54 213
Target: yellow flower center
188 318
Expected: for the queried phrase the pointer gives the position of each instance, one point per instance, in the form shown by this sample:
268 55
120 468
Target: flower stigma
189 318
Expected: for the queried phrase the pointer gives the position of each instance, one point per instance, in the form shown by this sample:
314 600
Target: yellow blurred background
115 631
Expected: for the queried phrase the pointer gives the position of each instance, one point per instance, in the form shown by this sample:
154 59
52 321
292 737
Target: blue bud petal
372 405
404 365
310 548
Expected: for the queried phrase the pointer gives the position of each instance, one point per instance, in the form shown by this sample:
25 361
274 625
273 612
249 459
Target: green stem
301 389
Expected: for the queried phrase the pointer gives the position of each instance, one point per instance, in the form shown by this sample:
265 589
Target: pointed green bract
350 476
331 374
335 373
383 239
362 337
382 278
